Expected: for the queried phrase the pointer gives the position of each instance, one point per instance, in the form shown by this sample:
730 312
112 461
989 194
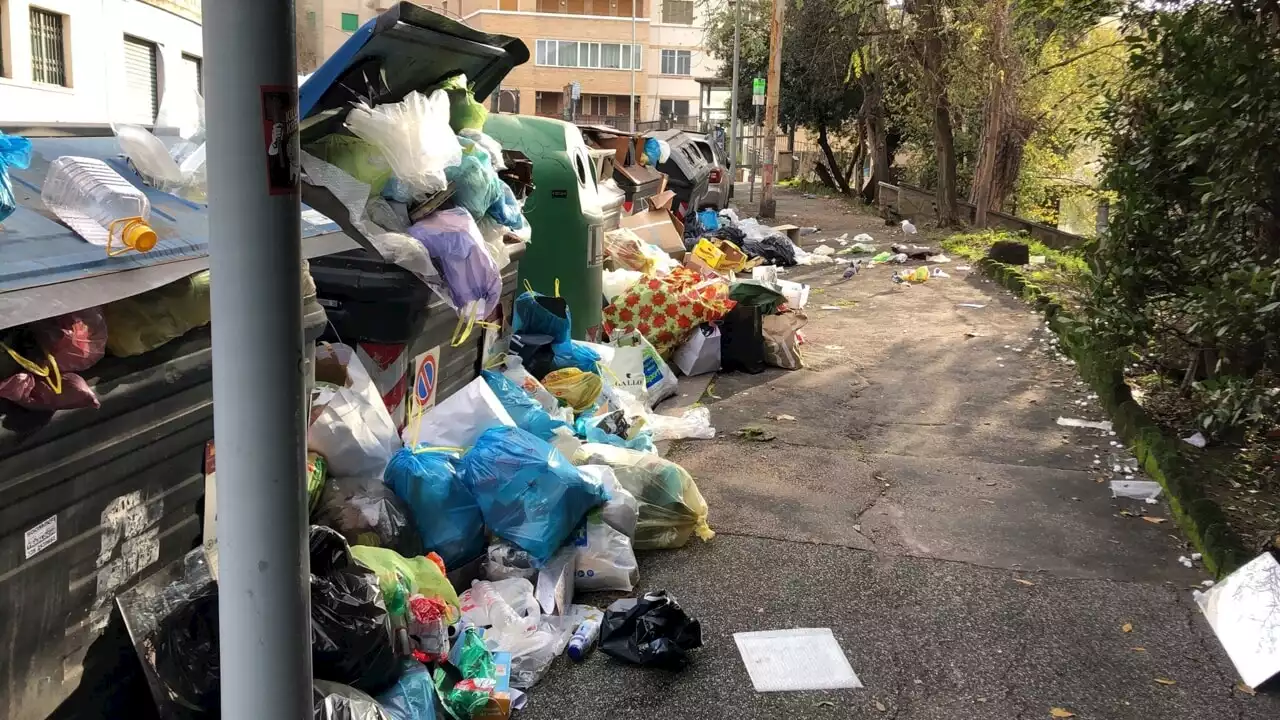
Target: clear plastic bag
528 492
515 372
578 389
504 561
671 508
401 577
476 186
414 135
367 512
510 611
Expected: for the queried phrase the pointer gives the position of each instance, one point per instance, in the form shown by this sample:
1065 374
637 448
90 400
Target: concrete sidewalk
926 507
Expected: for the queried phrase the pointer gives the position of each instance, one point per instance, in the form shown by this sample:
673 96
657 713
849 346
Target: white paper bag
700 353
458 420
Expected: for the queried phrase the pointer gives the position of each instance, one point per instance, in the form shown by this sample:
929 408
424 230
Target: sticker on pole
426 376
280 133
40 537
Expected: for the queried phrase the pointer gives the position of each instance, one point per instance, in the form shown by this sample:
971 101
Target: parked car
719 181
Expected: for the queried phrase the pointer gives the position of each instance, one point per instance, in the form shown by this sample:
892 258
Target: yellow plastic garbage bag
671 508
401 578
577 388
144 322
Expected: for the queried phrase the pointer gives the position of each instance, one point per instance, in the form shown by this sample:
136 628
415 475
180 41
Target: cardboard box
658 226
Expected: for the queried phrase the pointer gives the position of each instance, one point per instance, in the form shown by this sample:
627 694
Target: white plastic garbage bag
624 367
352 429
699 354
622 510
414 135
693 423
659 379
606 560
459 419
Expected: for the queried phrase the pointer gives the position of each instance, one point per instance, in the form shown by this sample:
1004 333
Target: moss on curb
1200 518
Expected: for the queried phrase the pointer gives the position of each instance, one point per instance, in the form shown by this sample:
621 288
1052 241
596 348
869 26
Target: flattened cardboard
658 226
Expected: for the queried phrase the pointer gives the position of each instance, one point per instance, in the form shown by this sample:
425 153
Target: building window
350 22
193 69
598 105
674 108
677 62
679 12
574 54
141 79
48 53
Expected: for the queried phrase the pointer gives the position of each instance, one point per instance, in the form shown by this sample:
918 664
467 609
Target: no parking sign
426 376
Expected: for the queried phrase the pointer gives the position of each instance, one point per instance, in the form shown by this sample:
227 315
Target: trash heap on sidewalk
448 544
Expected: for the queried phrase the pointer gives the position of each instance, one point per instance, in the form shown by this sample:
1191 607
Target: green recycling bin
563 211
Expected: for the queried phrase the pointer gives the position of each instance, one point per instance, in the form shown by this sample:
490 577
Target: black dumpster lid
408 48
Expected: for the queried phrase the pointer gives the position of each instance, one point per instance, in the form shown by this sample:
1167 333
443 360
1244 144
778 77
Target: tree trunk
823 142
943 135
995 125
877 138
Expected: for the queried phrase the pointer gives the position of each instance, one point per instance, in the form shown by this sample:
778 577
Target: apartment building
99 61
603 52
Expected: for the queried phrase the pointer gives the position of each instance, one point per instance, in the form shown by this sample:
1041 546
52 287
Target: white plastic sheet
799 659
1244 612
459 419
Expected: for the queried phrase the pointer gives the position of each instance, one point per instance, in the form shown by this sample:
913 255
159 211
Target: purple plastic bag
455 245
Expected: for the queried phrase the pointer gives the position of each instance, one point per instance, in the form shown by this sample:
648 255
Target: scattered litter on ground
786 417
1136 489
1127 627
1196 440
1154 520
794 660
938 259
1060 713
1036 260
974 306
651 631
1165 681
755 434
1186 561
1078 423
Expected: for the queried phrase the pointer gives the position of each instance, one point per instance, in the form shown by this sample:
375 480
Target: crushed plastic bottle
100 205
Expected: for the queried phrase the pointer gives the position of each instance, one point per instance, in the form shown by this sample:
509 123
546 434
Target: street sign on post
757 91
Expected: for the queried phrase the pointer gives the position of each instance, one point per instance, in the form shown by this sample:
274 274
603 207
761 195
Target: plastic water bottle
584 638
99 204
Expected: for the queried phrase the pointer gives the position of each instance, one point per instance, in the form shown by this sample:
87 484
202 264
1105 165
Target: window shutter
141 86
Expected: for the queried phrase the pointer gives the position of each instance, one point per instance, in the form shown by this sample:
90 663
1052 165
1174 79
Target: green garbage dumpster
564 213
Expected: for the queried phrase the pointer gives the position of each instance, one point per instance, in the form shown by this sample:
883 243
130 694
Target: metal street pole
773 82
755 157
634 64
256 247
733 100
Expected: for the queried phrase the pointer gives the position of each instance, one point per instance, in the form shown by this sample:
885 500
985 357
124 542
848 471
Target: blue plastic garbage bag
526 411
15 151
652 150
457 249
444 510
413 697
574 354
530 494
506 209
475 183
709 219
538 314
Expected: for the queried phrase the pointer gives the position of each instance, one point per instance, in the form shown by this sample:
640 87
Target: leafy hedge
1189 271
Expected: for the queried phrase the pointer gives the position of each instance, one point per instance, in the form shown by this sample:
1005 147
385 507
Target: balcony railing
620 122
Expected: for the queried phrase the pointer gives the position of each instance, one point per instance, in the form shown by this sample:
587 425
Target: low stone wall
913 203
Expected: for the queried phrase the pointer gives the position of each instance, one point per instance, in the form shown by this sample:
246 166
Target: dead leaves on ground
1165 681
1061 713
1154 520
1028 583
1127 627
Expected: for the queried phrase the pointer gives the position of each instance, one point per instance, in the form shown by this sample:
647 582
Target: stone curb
1199 517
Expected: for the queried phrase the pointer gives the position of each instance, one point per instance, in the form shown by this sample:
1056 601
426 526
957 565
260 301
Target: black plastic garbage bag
651 630
351 639
742 339
776 249
730 232
186 653
334 701
367 512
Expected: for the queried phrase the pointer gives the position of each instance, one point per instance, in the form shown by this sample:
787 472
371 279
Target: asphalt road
925 506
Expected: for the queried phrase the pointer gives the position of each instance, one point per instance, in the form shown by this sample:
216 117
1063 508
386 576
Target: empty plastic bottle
585 636
99 204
